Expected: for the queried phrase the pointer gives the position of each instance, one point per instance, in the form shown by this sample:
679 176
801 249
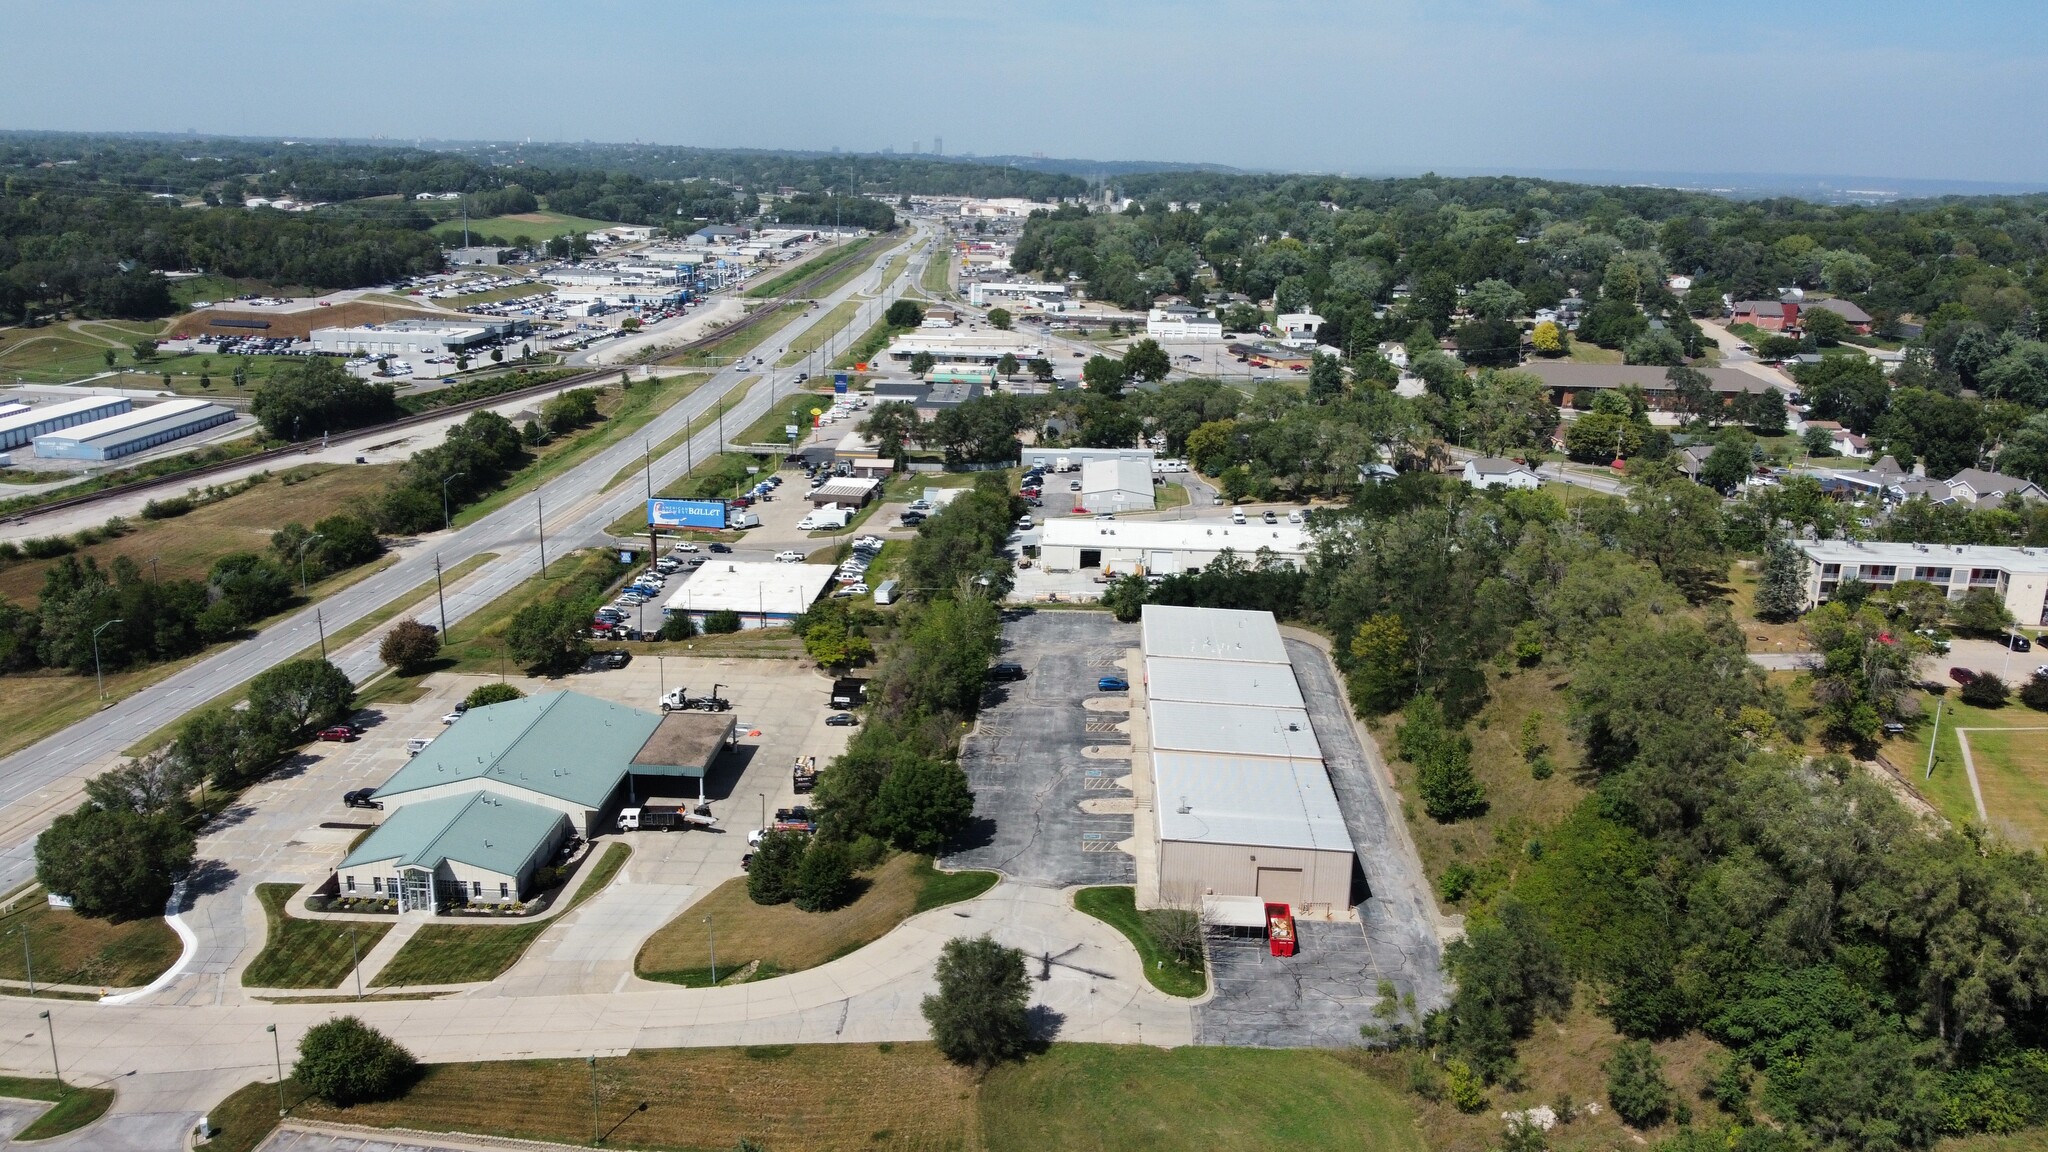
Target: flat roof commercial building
1165 547
23 427
1243 804
761 594
415 337
2018 575
1123 485
954 346
846 491
137 430
1574 385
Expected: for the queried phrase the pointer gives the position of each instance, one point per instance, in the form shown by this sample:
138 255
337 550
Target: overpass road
44 779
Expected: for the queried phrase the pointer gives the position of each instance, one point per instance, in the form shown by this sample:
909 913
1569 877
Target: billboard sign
686 513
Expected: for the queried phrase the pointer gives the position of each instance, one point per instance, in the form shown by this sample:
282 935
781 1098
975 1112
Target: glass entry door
416 891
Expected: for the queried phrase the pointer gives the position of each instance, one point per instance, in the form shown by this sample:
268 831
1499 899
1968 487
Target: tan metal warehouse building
1243 804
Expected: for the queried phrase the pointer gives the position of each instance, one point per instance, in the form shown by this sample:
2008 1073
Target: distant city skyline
1881 88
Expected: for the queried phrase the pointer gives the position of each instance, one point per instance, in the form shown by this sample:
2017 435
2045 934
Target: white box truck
827 517
741 518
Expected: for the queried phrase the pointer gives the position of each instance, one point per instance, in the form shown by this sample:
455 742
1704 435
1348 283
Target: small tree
1104 374
678 627
484 695
1980 611
721 622
824 878
1147 361
979 1015
299 696
1382 664
2034 693
921 803
145 350
1125 597
1781 586
1000 318
107 356
548 637
1818 442
1636 1086
345 1061
1041 369
1442 759
1007 366
409 646
772 874
921 363
904 314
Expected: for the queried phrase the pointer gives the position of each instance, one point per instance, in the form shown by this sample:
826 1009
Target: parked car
790 556
340 732
841 720
2017 641
725 549
1006 671
1962 675
616 658
361 798
687 546
1113 684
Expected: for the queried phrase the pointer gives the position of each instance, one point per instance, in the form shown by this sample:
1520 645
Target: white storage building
762 594
1116 485
137 430
1164 547
22 427
1242 802
401 337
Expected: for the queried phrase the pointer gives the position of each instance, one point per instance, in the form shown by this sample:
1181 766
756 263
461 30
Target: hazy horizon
1881 90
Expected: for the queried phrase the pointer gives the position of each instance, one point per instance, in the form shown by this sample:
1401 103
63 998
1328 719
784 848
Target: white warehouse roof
752 588
22 427
1208 633
1221 682
1213 535
112 432
1230 800
1128 475
1233 730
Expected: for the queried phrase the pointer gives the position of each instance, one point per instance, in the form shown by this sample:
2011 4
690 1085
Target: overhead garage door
1280 886
1162 562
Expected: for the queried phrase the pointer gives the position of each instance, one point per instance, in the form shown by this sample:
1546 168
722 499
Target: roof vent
1184 809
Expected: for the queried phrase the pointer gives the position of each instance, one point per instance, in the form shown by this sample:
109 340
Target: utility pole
594 1137
711 931
355 960
440 597
446 522
1934 740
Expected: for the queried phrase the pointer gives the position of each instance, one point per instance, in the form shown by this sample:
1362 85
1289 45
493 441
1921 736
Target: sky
1885 88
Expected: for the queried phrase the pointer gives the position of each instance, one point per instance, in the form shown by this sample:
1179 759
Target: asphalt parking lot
1321 995
1026 765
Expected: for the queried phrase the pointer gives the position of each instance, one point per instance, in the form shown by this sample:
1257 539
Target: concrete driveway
1045 811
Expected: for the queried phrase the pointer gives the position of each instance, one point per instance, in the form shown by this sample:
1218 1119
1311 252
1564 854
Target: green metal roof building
562 750
479 846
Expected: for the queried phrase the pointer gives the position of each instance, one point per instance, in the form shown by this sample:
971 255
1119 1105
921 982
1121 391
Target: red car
340 732
1962 675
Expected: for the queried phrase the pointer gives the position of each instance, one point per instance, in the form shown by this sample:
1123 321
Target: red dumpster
1280 929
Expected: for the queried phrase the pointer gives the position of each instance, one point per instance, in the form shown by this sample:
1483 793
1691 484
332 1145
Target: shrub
167 508
678 627
824 879
484 694
1986 691
345 1061
46 547
721 623
1466 1091
772 876
1636 1086
1456 881
409 646
2034 693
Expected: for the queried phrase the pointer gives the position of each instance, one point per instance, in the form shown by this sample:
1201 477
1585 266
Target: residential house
1497 472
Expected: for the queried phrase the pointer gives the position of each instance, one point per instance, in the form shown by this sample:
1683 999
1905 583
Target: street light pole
320 623
98 679
446 520
355 960
594 1138
540 519
56 1069
303 545
711 930
277 1052
439 597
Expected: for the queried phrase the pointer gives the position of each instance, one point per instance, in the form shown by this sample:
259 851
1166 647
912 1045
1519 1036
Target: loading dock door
1280 886
1091 557
1162 562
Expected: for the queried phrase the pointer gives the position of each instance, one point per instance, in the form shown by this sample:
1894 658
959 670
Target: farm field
536 226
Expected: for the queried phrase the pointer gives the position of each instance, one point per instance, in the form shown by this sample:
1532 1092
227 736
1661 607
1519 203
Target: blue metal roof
481 829
562 744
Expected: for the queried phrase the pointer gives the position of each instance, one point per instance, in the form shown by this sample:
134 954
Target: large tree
979 1015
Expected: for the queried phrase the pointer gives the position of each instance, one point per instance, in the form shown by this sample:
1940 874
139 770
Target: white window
377 883
504 889
351 883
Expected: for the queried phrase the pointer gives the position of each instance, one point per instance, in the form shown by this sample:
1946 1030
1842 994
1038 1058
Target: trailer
848 692
797 819
665 814
804 774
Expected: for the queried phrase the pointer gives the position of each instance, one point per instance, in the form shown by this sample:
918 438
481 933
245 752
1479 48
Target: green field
73 949
72 1107
60 355
847 1097
786 280
2012 768
463 953
2012 771
539 227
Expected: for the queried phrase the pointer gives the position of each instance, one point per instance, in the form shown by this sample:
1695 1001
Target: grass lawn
539 227
842 1097
624 414
1117 907
2012 771
787 279
727 349
1094 1096
1584 353
1169 495
1761 635
633 471
936 281
816 336
58 354
216 289
463 953
74 1107
870 345
768 429
73 949
782 938
305 953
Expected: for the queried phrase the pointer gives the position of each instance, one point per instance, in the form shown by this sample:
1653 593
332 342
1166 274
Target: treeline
120 616
1874 979
814 209
119 854
100 251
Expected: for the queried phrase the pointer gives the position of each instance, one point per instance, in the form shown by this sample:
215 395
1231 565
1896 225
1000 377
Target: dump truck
666 813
